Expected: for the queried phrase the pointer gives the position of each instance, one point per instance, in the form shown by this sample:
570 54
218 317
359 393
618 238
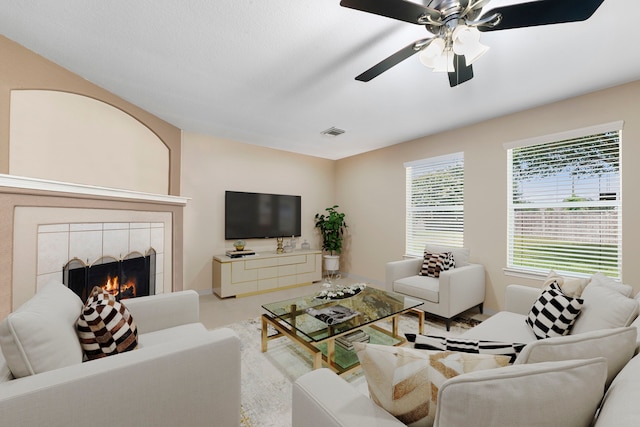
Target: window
565 203
435 202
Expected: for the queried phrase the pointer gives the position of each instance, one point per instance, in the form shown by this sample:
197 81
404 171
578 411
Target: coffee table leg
394 325
331 352
264 335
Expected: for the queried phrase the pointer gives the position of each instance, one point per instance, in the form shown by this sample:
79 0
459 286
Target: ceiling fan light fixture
466 41
437 56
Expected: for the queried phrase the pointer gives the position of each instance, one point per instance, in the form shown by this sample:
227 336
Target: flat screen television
259 215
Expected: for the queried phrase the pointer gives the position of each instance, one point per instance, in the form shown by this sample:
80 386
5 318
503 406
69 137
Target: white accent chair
455 291
180 374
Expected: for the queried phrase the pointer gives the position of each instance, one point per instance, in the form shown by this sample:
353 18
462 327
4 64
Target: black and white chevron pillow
554 313
434 263
465 345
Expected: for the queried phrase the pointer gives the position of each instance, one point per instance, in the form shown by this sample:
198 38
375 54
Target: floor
216 312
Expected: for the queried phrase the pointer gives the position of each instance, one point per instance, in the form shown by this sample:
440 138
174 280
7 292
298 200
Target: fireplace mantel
32 206
25 183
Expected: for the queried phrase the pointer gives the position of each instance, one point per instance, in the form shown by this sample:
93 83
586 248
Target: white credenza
265 272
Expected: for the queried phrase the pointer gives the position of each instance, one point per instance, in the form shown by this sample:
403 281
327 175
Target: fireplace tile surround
59 243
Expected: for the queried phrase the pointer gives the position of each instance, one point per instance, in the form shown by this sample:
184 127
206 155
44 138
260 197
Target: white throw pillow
570 286
600 279
616 345
604 308
460 255
563 394
40 335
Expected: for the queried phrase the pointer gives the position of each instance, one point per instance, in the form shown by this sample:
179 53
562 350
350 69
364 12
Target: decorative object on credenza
239 245
280 248
305 246
332 227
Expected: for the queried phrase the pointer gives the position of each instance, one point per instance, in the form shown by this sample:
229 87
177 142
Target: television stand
264 272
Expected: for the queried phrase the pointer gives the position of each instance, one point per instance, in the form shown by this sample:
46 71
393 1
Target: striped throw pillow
554 313
105 326
465 345
434 263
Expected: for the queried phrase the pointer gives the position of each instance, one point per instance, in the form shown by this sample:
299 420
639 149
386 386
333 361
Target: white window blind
435 202
565 205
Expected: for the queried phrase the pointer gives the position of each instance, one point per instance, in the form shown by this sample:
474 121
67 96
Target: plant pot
332 262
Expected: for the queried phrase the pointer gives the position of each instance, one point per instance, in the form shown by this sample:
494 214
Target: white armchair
180 374
455 291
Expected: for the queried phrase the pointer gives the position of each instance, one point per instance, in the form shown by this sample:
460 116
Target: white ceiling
276 73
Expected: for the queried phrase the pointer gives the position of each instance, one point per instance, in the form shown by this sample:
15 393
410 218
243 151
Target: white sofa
180 374
456 290
528 393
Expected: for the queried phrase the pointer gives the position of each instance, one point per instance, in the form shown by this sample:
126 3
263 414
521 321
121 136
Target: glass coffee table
297 319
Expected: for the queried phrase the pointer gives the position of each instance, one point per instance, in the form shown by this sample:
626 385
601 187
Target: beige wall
371 185
213 165
20 68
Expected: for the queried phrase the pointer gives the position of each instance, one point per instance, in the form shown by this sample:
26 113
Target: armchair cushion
423 287
434 263
40 335
553 313
105 326
405 381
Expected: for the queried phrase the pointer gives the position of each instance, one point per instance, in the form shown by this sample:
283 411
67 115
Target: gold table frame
319 359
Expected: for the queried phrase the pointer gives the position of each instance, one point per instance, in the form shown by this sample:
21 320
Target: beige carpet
267 377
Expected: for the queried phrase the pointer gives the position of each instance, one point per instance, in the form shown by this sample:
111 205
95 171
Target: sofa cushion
542 394
570 286
503 326
465 345
553 313
105 326
617 346
434 263
423 287
604 308
620 407
40 335
405 381
460 255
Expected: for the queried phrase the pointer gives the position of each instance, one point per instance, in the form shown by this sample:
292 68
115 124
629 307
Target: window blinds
565 205
435 202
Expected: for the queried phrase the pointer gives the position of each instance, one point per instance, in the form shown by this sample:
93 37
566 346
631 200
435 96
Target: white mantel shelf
13 181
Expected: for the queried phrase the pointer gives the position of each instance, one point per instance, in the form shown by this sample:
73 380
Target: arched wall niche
68 137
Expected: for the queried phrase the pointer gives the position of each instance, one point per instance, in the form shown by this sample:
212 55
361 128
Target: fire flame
114 288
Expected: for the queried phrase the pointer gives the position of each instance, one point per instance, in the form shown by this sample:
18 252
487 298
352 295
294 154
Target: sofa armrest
399 269
162 311
192 381
519 299
321 398
462 287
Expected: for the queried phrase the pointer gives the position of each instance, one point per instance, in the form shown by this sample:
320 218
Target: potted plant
332 227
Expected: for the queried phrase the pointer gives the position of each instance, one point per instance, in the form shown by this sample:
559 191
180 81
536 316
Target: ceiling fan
455 26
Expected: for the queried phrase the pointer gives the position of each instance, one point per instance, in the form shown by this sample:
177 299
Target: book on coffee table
333 315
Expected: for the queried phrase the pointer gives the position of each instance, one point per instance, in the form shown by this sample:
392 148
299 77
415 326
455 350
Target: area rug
267 377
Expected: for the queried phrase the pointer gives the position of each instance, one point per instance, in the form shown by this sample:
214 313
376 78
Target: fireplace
129 277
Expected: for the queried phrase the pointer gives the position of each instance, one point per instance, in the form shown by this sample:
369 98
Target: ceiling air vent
332 131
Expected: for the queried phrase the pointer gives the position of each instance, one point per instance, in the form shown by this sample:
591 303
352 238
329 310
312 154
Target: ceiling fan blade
385 64
542 12
462 73
396 9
